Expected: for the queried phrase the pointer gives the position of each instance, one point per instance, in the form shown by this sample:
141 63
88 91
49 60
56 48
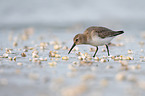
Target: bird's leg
96 51
107 50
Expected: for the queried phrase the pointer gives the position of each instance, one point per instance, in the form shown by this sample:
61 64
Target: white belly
97 41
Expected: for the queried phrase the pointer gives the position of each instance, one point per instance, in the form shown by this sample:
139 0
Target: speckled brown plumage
102 31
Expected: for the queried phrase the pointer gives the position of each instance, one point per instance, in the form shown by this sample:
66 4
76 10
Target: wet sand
35 62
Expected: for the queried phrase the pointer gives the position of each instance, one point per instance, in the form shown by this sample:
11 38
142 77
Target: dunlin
95 36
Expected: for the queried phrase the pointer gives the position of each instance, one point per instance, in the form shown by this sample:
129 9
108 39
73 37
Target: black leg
107 50
96 51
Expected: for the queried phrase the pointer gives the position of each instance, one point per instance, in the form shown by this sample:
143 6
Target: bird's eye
77 39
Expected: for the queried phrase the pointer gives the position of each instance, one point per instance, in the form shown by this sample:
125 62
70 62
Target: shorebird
95 36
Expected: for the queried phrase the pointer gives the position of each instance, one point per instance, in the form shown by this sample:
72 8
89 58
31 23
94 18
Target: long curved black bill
72 47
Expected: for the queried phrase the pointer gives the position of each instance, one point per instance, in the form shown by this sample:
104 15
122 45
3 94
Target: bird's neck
84 39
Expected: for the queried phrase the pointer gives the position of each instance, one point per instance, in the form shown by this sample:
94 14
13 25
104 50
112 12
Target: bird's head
78 39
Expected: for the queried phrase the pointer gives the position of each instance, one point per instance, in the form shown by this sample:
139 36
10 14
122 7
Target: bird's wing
96 29
101 31
105 34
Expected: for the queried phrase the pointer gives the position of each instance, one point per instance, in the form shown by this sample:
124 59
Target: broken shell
96 58
92 49
65 58
19 63
14 58
52 63
57 47
15 44
39 62
41 59
65 48
10 58
33 76
142 50
88 58
45 59
8 51
130 51
88 77
51 54
30 59
23 55
141 43
71 67
120 76
80 58
138 66
109 67
35 56
103 50
104 82
124 63
57 56
102 60
5 55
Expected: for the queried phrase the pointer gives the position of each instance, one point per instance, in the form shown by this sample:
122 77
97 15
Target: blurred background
65 13
32 30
